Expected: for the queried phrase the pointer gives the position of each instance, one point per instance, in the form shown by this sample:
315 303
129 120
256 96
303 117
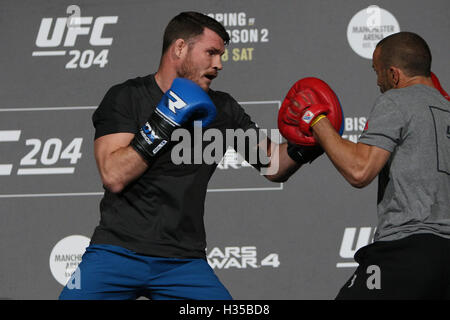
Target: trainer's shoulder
397 94
420 95
387 99
413 92
402 97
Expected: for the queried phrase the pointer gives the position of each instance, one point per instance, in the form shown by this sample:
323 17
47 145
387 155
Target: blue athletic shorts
112 272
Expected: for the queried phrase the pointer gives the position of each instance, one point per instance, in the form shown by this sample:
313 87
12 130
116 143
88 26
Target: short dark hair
407 51
188 25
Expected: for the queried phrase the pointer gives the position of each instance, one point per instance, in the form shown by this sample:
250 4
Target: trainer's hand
305 102
308 99
184 102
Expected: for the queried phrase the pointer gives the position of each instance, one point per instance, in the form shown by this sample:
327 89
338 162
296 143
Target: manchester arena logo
65 258
368 27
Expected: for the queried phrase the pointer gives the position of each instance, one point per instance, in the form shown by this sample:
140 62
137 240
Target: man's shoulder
417 89
418 94
129 87
220 95
396 96
132 83
222 99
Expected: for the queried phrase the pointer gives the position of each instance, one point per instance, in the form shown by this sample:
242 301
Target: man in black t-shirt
151 238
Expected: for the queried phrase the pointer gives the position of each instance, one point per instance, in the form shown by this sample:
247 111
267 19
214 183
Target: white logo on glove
308 116
177 104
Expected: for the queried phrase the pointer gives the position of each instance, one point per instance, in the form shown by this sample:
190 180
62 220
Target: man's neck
164 80
410 81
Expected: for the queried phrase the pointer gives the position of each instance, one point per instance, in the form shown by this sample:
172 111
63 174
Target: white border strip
101 193
5 169
95 107
41 195
346 264
9 135
48 109
37 171
48 53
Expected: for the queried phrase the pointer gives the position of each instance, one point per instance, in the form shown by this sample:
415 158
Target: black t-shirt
161 212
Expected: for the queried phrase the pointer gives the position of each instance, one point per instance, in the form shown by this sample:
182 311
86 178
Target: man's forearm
358 163
281 165
342 153
121 167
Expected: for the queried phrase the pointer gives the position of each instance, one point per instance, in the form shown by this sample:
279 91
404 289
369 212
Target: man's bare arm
358 163
281 165
117 162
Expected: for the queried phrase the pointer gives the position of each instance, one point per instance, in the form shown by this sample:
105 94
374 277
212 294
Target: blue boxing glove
184 101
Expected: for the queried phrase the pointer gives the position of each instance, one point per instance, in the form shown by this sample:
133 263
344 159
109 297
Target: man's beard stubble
186 69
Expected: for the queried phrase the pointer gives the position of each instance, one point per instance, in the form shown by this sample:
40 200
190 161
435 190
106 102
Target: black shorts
415 267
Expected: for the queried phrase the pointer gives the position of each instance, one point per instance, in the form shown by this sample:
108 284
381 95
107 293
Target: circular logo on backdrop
66 255
368 27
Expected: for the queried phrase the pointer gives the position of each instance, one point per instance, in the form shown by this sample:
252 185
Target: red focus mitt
307 99
437 85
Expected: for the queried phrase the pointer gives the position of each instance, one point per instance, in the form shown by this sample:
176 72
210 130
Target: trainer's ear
394 74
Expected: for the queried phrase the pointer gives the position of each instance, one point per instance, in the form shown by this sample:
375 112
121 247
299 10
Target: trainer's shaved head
406 51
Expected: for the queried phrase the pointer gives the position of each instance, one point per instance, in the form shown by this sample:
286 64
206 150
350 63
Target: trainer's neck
411 81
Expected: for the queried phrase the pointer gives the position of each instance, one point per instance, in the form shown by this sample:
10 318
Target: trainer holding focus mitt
309 100
406 143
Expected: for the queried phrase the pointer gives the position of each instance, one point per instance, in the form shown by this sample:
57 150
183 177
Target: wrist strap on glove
317 119
152 137
304 154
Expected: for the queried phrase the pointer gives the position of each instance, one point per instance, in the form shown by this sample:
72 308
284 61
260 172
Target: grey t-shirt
413 123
